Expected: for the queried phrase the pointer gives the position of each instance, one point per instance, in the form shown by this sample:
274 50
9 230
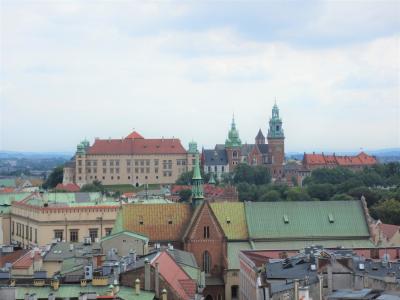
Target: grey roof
62 251
377 269
215 157
299 269
263 148
353 294
260 135
183 257
246 149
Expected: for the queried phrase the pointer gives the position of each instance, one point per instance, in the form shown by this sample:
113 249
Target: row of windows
215 169
74 234
167 164
116 170
24 231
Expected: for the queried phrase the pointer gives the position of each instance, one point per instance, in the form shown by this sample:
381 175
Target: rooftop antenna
275 100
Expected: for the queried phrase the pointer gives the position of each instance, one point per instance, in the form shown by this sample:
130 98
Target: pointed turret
197 183
233 139
212 180
275 130
260 138
192 147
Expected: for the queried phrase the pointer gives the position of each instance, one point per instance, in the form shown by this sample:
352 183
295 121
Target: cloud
87 69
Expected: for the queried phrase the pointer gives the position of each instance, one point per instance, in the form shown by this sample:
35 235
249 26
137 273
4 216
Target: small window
206 232
331 218
169 222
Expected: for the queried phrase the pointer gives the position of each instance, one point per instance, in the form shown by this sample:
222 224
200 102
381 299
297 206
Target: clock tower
276 144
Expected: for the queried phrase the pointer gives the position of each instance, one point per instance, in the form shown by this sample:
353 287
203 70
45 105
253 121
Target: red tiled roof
26 261
175 276
69 187
7 190
389 230
134 135
137 146
362 159
11 257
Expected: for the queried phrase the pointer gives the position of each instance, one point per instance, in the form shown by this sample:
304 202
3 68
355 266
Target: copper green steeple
197 183
275 130
233 139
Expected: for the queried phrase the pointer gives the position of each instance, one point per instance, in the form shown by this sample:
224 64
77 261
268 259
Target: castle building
355 162
224 158
131 160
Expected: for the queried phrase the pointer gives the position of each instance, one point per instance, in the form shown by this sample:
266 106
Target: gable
204 217
306 220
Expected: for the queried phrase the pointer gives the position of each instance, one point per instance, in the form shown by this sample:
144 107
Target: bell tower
233 146
276 144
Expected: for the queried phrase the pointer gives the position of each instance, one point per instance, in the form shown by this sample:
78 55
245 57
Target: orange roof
11 257
175 276
26 261
160 222
137 146
7 190
134 135
389 230
362 159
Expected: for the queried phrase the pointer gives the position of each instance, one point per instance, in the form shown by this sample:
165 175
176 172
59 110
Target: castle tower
233 146
276 144
197 184
191 155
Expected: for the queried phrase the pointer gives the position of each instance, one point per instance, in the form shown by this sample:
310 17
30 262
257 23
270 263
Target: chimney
137 286
157 282
366 280
330 279
51 296
55 283
164 294
146 274
26 296
296 289
83 282
321 286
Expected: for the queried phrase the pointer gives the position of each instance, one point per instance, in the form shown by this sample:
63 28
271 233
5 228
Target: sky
71 70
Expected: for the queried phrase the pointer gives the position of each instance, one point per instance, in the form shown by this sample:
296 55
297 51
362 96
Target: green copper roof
306 220
197 182
192 147
275 129
74 290
300 245
231 216
129 233
8 182
212 180
234 249
233 139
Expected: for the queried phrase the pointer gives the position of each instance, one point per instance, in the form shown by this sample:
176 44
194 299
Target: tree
270 196
322 191
341 197
257 175
185 178
95 186
185 195
247 192
298 194
55 177
371 196
261 175
387 211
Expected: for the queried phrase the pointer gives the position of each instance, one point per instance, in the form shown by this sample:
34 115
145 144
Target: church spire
275 130
197 183
233 139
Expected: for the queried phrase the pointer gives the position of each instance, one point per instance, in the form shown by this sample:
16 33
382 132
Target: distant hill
34 155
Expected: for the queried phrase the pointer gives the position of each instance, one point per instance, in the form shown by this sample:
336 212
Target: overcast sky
76 69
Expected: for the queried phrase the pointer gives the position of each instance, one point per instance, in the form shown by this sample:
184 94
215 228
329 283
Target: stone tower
276 144
233 146
197 184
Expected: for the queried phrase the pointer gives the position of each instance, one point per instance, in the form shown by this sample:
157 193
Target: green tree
341 197
270 196
387 211
322 191
371 196
261 175
298 194
185 195
257 175
247 192
55 177
185 178
95 186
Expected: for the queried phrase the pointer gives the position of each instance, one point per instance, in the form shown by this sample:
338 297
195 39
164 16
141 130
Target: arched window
206 262
234 154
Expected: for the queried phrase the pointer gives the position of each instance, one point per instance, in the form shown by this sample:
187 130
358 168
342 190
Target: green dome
233 139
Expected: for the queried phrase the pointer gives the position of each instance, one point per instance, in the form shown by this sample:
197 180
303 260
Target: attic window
169 222
285 219
331 218
228 220
141 220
